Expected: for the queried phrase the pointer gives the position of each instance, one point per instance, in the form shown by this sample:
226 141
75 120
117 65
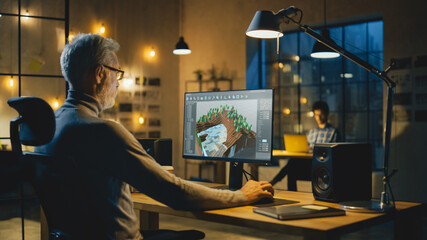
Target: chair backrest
35 126
36 120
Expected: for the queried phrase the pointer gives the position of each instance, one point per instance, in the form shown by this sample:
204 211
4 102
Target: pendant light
181 48
319 49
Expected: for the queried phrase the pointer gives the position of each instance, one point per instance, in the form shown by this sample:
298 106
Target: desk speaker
159 148
342 172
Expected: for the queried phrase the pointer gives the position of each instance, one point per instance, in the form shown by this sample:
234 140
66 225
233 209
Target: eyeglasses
119 73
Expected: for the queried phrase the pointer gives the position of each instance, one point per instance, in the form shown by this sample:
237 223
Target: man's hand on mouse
255 191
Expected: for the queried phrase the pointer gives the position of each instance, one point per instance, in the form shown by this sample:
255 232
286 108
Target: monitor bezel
241 160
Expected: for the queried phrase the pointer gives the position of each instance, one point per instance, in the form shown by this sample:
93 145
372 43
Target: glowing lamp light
141 120
303 100
55 104
127 82
26 14
11 82
280 65
325 55
181 47
267 34
310 114
181 51
70 37
346 75
152 53
286 111
102 29
322 51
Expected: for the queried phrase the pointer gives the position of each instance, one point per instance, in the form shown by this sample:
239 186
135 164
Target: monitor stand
235 176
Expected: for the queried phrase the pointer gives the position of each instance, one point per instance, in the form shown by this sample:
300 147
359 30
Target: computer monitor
234 126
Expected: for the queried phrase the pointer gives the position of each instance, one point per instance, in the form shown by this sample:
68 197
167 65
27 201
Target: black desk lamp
266 24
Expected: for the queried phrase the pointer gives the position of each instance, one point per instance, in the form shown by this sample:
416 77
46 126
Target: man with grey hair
107 157
80 59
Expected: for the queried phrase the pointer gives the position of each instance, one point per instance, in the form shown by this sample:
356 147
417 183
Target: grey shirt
108 158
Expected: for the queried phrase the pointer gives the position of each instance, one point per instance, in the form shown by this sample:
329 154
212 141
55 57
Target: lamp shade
265 24
320 50
181 47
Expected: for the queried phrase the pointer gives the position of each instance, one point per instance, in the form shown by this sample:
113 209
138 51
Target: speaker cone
322 179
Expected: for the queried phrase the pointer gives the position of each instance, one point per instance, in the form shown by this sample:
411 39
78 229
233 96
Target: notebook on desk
299 211
296 143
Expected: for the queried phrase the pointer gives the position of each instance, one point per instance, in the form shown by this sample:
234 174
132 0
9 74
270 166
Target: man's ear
99 74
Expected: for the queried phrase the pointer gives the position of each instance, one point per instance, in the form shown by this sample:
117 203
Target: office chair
67 217
35 126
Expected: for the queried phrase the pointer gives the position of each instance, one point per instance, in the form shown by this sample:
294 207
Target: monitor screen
229 125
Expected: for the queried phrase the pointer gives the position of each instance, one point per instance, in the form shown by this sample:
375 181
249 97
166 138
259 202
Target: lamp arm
381 74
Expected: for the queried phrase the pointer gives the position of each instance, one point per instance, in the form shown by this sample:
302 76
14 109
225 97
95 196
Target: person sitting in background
107 157
324 133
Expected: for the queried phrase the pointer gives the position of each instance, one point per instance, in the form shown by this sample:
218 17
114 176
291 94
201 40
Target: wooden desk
407 218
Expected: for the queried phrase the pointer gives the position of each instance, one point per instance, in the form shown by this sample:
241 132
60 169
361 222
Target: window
32 36
354 96
32 39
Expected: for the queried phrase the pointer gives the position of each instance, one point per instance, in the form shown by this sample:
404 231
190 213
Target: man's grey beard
107 97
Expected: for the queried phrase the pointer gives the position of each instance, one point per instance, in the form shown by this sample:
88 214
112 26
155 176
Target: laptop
296 143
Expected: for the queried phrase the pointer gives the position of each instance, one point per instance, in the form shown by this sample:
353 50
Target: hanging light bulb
319 49
26 14
303 100
152 52
322 51
181 47
11 81
102 29
141 120
55 104
127 82
70 37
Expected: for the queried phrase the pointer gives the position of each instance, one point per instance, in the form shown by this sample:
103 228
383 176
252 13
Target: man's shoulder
108 127
86 124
